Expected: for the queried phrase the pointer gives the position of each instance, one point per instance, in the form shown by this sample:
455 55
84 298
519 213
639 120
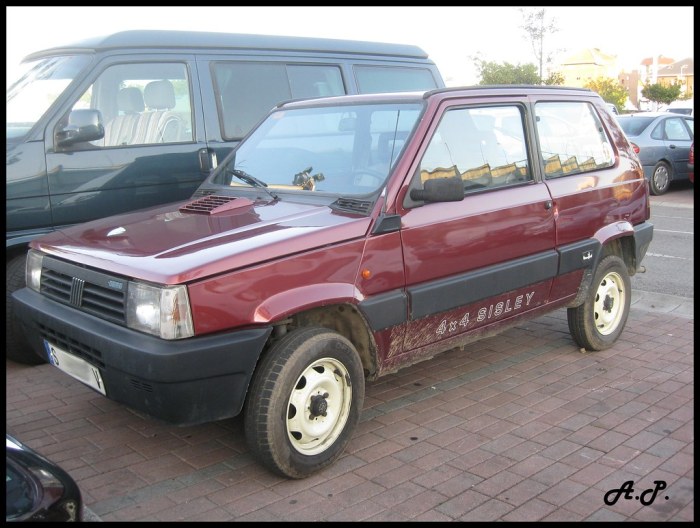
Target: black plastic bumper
184 382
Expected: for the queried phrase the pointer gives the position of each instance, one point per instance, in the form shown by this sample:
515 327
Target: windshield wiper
252 181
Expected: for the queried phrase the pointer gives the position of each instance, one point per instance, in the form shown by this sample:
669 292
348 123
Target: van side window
484 146
572 139
141 104
247 91
377 79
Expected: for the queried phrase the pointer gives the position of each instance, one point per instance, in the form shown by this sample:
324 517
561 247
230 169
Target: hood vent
353 206
213 204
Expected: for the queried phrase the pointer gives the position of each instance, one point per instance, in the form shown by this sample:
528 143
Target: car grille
89 291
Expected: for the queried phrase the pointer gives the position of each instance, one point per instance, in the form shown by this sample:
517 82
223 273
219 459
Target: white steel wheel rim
319 406
609 304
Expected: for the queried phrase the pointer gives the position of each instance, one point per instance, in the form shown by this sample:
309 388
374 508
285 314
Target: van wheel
16 346
599 321
304 402
660 178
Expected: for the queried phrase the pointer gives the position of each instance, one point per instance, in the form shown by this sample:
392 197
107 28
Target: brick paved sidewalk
518 427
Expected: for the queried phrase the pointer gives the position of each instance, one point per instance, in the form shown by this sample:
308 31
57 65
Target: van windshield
345 149
37 88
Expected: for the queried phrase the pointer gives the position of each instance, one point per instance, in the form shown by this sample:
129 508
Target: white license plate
76 367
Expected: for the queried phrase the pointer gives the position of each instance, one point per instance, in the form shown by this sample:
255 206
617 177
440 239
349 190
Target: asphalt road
669 261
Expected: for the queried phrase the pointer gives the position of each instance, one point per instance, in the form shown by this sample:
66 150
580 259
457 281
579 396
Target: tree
506 73
610 90
537 28
659 93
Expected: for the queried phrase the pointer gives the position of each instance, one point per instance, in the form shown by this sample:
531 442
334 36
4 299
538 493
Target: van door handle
548 205
207 159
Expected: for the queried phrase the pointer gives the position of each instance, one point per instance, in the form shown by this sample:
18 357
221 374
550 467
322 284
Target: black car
37 489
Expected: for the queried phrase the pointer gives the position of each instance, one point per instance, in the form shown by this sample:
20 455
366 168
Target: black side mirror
440 190
84 124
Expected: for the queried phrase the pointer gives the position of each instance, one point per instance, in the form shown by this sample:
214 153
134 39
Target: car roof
443 93
167 39
654 115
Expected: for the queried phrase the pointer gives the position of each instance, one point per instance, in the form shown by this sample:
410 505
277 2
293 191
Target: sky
452 36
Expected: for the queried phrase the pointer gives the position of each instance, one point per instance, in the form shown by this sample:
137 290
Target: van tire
598 322
16 346
304 402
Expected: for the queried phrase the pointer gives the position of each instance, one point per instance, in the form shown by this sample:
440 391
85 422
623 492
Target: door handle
207 160
548 205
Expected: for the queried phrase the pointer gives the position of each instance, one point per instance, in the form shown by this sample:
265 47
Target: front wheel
599 321
304 402
660 178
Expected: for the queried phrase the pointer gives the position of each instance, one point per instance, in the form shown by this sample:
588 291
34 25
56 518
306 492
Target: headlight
33 270
161 311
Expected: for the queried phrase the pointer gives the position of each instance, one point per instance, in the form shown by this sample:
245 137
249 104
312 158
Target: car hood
190 240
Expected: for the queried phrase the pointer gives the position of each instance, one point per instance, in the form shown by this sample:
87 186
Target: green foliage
610 90
659 93
555 78
506 73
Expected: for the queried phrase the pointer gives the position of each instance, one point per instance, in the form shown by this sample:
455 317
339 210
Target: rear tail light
635 148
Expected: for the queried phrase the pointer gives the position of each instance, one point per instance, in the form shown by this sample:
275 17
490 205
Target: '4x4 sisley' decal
486 312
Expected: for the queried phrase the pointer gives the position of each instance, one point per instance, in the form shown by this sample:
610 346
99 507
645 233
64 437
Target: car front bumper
184 382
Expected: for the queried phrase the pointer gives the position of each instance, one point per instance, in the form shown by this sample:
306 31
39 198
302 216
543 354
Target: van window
484 146
572 139
37 89
247 91
378 79
141 104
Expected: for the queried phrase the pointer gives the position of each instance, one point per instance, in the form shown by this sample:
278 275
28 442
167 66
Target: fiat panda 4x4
343 239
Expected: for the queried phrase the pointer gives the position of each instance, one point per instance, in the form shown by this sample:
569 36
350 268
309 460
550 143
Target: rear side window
378 79
671 129
572 139
483 146
247 91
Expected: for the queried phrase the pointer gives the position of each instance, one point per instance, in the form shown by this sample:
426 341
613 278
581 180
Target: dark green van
139 118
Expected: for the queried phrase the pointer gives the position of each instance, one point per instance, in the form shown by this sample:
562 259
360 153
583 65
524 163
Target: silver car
662 140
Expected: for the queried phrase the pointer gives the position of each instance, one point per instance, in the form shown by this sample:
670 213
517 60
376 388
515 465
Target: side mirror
440 190
84 124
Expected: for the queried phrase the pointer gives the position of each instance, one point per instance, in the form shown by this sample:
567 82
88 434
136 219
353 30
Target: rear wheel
599 321
16 346
660 178
304 402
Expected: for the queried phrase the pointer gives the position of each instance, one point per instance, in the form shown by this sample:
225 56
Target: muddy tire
599 321
304 402
16 346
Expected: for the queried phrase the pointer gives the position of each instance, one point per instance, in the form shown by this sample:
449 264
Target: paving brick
518 427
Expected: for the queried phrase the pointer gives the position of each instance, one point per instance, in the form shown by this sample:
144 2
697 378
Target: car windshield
344 149
633 126
37 88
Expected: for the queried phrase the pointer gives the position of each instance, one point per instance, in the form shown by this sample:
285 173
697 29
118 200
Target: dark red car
343 239
691 163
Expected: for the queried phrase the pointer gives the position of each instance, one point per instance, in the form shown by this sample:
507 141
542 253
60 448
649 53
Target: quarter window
572 139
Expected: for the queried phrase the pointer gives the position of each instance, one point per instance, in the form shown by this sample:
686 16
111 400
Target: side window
483 146
377 79
247 91
141 104
691 125
572 139
675 130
